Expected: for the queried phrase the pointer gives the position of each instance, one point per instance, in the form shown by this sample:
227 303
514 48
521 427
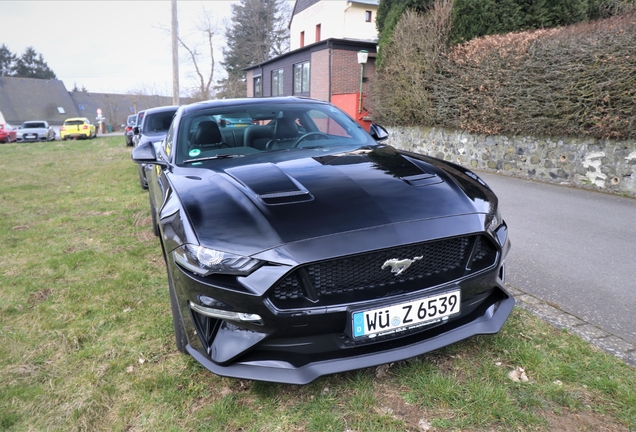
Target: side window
301 78
257 87
277 82
167 143
326 124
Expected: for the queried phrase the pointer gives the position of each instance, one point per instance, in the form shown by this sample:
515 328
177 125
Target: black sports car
300 245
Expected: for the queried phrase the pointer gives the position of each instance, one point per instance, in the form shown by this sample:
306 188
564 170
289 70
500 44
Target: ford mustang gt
300 245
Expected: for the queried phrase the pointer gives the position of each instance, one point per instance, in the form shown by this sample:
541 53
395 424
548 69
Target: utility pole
175 55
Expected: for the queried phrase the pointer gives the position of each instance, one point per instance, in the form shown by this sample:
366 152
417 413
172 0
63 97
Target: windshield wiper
221 156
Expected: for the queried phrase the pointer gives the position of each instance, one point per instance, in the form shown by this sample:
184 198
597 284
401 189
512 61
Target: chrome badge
398 266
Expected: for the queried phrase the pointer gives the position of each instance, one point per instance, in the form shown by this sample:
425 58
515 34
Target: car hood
249 208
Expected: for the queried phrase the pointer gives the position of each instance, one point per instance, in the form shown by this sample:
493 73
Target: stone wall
605 165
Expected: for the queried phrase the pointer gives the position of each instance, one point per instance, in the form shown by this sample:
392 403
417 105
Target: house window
317 32
258 90
301 78
367 16
277 82
302 39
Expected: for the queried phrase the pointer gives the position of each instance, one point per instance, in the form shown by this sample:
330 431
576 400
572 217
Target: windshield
33 125
244 130
158 122
73 122
140 117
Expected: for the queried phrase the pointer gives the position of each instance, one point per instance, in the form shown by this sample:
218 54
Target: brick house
326 36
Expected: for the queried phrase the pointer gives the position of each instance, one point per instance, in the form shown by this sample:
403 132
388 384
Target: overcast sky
109 46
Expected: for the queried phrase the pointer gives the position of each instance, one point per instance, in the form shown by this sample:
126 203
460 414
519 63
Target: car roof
219 103
76 118
162 109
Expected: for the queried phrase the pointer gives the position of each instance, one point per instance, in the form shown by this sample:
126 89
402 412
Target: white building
316 20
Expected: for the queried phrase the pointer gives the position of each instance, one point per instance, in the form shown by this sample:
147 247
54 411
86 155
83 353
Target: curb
611 344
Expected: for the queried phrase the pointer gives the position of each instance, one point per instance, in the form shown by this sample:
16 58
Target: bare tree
200 53
209 28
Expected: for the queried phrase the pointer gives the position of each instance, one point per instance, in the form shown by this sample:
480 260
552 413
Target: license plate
403 316
30 136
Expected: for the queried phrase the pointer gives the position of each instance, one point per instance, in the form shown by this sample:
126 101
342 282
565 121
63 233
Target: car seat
285 134
208 135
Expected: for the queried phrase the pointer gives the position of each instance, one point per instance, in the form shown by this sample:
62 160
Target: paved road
573 248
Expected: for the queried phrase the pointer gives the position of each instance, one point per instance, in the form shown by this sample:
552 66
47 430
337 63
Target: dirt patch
145 236
391 403
567 421
39 296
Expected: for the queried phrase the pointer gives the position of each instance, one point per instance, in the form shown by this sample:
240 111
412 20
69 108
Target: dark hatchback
301 246
153 128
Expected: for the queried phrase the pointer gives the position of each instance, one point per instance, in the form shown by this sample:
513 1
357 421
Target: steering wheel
308 134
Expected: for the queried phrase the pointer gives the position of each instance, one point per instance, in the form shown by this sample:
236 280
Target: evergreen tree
32 65
258 32
7 60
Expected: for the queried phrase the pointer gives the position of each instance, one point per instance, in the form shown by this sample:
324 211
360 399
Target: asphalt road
573 248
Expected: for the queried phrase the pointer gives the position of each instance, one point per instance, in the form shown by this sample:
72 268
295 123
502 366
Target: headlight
494 221
204 261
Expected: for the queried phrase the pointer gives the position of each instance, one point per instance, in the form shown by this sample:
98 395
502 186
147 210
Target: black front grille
362 277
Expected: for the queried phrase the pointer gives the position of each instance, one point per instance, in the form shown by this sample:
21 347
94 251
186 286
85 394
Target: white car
35 130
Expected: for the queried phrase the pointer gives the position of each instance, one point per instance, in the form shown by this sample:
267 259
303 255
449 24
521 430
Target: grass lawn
86 338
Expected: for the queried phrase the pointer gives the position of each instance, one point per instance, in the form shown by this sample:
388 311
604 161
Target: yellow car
78 127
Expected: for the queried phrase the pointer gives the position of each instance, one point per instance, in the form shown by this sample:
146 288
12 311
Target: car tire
153 216
180 336
143 183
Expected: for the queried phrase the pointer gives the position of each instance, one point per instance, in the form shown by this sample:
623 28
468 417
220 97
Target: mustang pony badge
398 266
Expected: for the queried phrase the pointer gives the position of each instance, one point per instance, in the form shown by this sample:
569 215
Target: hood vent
422 179
270 184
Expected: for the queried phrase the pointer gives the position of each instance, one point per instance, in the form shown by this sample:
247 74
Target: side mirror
377 132
136 130
145 154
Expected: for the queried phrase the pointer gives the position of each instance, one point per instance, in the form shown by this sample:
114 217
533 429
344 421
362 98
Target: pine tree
258 33
32 65
7 60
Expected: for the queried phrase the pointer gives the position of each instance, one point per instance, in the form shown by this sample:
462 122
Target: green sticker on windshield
194 153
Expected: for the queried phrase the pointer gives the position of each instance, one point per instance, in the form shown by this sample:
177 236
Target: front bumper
298 341
489 318
32 138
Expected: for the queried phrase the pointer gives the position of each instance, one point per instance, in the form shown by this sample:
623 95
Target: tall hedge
390 12
573 80
476 18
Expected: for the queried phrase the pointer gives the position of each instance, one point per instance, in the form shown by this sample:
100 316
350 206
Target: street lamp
363 55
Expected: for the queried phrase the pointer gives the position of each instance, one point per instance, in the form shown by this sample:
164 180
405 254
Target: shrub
579 79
